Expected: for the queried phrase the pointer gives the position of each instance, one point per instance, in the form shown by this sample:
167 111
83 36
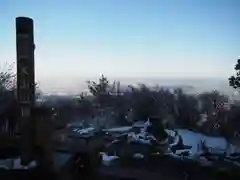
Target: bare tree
7 97
100 90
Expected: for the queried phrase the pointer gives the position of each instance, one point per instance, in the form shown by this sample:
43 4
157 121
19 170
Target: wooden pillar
25 85
44 129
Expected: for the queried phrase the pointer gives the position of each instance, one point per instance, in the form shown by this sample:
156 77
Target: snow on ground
190 138
143 137
171 132
192 149
138 124
5 164
192 141
83 131
15 164
119 129
216 145
233 149
140 137
77 124
107 159
138 156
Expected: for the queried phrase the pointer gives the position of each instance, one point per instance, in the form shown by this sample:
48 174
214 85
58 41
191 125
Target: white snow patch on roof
119 129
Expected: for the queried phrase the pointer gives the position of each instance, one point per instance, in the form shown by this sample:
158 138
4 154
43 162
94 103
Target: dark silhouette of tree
234 115
120 102
233 122
157 129
166 102
85 105
8 105
186 110
159 102
234 81
7 78
210 101
100 90
143 101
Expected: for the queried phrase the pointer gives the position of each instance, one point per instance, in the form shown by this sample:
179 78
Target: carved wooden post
25 84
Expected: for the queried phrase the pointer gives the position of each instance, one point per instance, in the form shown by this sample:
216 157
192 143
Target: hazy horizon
78 85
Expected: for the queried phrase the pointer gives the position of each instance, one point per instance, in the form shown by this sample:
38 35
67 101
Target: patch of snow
234 149
175 141
147 123
217 144
107 159
32 164
138 156
203 119
171 132
5 164
84 131
165 141
15 164
139 124
180 152
143 137
140 138
119 129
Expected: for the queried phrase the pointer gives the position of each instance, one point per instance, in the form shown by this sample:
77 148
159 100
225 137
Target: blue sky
127 38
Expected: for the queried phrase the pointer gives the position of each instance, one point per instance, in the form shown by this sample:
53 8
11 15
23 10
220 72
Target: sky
126 38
